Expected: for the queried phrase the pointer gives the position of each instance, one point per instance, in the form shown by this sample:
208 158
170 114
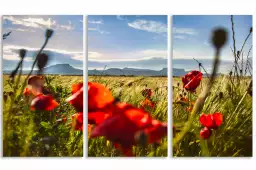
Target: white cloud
79 57
94 55
186 31
149 26
98 30
19 29
31 22
179 55
10 52
95 21
151 53
39 23
68 27
182 37
121 17
130 56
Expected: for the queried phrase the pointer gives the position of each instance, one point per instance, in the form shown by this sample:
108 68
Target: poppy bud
238 53
22 53
42 61
205 133
230 73
219 37
221 95
49 33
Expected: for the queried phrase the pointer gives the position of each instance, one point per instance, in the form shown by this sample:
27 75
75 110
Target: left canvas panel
42 86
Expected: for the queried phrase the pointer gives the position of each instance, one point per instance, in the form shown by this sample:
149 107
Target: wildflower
98 117
127 121
205 133
76 87
35 85
192 80
77 121
147 93
76 100
26 91
156 132
99 97
211 121
43 102
147 103
121 127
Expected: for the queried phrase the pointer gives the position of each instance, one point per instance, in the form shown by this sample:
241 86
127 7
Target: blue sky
127 41
65 46
191 39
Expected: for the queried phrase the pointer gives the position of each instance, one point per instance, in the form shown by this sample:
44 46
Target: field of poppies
127 116
45 119
212 113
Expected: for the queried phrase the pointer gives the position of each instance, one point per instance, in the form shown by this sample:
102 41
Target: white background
136 7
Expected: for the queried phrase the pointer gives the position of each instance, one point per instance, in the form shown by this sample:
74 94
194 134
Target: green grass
38 133
234 137
128 89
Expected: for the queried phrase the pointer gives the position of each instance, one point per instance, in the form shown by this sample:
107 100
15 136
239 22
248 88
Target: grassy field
128 89
36 133
234 137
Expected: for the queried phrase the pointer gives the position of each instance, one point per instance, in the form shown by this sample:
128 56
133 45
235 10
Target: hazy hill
62 69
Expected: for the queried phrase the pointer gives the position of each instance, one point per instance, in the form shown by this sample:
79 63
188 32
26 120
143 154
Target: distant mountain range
60 69
128 72
66 69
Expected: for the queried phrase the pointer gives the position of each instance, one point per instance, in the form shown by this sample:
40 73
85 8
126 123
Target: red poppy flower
125 123
156 132
121 127
36 81
97 117
211 121
147 103
77 121
76 100
43 102
26 91
205 133
89 128
147 93
98 97
76 87
192 80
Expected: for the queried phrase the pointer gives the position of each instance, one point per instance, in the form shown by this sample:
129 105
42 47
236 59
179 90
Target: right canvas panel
212 85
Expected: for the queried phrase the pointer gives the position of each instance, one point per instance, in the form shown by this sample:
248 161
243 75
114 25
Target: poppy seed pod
219 37
22 53
221 95
238 53
49 33
42 61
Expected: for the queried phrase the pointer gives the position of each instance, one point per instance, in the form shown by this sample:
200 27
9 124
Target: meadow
229 96
128 90
40 133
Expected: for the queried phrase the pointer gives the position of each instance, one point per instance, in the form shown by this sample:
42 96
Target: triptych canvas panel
126 109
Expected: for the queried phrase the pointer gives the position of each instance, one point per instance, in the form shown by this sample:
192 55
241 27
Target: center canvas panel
127 88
